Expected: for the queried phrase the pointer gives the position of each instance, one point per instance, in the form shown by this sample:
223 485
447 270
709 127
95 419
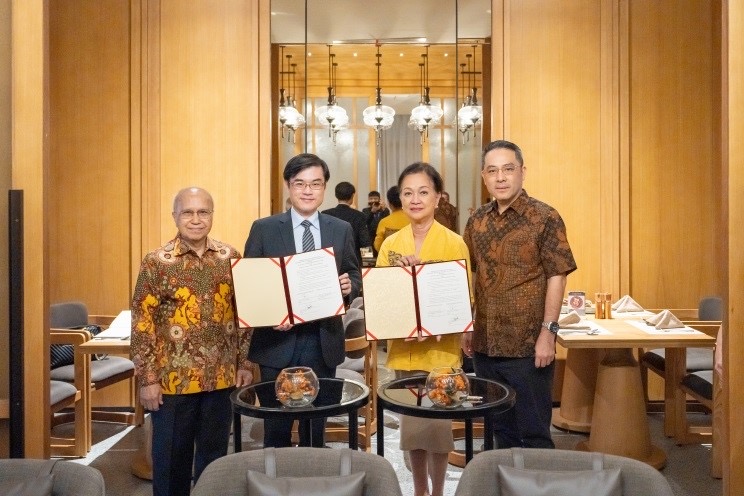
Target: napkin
664 320
626 304
570 320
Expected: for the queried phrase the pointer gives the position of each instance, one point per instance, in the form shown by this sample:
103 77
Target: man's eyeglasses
189 214
301 185
508 170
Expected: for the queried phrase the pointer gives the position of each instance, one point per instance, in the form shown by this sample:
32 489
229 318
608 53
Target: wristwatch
551 326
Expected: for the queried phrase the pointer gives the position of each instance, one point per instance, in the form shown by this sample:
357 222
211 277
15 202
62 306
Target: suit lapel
326 231
286 232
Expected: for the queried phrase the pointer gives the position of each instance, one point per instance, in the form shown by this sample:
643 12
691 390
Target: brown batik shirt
513 254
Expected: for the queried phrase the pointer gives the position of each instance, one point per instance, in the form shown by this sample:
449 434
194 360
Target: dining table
616 414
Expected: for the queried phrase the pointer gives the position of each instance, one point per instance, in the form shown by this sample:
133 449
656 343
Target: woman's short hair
426 168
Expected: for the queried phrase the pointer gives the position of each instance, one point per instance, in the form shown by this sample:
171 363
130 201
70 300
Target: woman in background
429 441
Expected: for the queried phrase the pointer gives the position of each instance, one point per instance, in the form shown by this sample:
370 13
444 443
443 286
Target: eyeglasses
508 170
189 214
301 185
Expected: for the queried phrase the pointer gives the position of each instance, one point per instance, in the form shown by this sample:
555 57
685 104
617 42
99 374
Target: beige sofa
70 479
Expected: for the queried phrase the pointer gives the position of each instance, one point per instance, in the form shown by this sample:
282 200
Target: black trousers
189 430
528 423
308 353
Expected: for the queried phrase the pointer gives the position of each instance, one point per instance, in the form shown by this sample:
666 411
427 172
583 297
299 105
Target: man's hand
243 378
345 283
151 397
544 349
466 343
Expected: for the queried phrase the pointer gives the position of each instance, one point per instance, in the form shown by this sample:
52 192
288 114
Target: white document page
260 298
314 290
444 297
120 328
389 305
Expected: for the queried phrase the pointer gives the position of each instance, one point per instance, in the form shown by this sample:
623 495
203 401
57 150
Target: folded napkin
626 304
570 320
664 320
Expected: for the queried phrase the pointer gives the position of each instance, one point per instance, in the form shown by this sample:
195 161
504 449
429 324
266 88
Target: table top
335 397
408 396
113 346
623 334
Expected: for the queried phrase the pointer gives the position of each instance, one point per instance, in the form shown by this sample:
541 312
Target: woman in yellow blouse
423 240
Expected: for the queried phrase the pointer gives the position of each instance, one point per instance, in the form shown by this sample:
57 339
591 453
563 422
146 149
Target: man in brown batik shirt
521 257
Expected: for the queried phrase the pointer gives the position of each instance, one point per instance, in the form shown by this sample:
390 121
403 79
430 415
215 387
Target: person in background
446 213
429 441
318 344
186 346
345 211
521 258
393 222
374 213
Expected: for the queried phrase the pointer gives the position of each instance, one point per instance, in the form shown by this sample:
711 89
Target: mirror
324 58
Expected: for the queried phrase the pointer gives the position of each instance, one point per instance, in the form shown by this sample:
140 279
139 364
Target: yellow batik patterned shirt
184 332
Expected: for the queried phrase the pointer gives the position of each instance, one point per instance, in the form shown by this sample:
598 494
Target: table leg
353 430
488 433
675 400
237 433
380 430
577 397
468 440
619 423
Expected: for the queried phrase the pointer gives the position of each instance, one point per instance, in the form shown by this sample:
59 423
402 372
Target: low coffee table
335 397
408 397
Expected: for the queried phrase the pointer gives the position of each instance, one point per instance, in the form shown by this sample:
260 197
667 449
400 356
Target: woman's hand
408 261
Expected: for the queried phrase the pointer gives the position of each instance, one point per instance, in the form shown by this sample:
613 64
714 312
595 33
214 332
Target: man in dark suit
318 344
345 195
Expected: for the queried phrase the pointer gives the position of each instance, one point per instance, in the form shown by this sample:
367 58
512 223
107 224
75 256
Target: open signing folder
292 289
423 300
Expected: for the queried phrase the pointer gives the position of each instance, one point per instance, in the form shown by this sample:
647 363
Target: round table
408 397
335 397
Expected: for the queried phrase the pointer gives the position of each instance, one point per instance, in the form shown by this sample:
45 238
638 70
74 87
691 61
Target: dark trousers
186 423
528 423
278 433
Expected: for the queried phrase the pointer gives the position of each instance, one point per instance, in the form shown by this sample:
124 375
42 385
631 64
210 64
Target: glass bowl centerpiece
296 386
447 387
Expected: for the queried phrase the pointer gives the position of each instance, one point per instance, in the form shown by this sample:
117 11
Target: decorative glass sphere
447 387
296 386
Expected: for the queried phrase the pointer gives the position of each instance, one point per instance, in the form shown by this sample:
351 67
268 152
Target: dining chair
66 320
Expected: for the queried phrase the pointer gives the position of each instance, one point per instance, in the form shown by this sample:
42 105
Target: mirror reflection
372 88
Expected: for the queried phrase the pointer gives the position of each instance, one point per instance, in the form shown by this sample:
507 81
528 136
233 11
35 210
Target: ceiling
389 21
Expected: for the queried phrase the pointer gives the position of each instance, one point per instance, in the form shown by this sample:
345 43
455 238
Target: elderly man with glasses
318 344
188 352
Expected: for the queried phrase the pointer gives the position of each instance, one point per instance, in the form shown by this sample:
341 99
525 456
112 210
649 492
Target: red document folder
423 300
293 289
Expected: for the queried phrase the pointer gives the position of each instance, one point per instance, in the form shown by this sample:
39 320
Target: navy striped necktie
308 243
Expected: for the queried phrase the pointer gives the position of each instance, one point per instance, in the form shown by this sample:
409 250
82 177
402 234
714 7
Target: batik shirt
184 333
514 254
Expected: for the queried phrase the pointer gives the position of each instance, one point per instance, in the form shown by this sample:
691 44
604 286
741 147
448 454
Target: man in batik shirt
188 352
521 257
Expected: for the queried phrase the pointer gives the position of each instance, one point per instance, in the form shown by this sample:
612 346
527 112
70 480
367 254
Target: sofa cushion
518 482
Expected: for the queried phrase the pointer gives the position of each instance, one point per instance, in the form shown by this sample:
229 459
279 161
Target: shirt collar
297 219
181 246
518 205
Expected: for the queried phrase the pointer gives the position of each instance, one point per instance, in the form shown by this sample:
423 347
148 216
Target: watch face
554 327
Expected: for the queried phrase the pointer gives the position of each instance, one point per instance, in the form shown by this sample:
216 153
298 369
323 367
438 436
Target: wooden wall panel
552 110
733 194
89 225
675 152
209 123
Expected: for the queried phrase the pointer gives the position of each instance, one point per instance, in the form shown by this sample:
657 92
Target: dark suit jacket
273 237
358 224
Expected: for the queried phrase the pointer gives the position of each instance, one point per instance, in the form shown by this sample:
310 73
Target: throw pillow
339 485
518 482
